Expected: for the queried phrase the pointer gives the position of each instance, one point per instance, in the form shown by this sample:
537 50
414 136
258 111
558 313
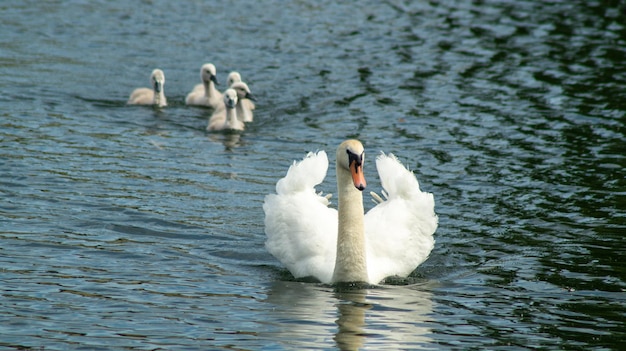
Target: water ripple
129 227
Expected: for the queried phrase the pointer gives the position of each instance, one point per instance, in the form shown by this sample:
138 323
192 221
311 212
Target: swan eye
352 157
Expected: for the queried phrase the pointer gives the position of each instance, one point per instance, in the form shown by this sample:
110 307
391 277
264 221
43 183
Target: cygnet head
350 157
158 80
243 92
233 77
208 73
230 98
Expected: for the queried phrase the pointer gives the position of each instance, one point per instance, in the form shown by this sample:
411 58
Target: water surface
131 228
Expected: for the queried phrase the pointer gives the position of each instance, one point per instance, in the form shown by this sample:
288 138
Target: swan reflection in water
376 317
231 140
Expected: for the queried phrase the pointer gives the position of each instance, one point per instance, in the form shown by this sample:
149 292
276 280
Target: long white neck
209 89
159 98
350 264
231 119
241 112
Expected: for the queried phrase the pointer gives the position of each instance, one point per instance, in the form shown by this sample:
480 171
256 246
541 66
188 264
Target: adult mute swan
244 113
247 106
206 94
311 239
225 117
150 96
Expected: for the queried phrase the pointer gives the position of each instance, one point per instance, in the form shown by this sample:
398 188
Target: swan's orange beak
356 168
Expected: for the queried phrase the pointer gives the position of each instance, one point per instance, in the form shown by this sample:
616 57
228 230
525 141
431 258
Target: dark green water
131 228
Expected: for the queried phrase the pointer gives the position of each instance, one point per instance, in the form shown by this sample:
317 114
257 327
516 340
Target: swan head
350 157
233 77
243 92
208 73
158 80
230 98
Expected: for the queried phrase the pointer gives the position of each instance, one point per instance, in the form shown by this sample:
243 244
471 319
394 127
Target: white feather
302 230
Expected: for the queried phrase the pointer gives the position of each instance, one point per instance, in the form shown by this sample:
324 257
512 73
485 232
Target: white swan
150 96
206 94
233 77
244 113
225 117
247 106
311 239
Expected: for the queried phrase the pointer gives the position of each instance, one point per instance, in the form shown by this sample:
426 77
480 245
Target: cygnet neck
159 98
209 89
231 118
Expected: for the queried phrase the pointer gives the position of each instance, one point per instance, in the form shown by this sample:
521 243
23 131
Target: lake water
132 228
